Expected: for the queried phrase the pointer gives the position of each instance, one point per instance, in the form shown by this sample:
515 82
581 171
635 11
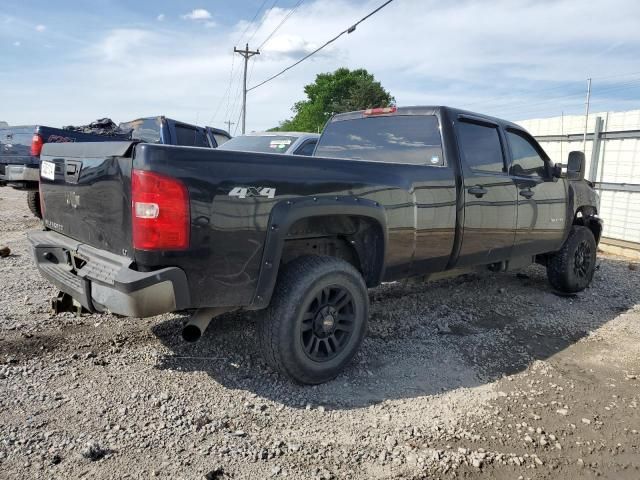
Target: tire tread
560 262
294 279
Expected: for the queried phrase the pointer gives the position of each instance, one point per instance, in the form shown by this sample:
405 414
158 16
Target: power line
508 101
226 93
262 21
569 98
291 12
351 29
233 58
251 22
573 104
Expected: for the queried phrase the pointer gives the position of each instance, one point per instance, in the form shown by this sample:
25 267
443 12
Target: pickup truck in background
172 132
289 143
141 229
20 147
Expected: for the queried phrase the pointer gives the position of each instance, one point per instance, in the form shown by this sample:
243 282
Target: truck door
542 199
490 195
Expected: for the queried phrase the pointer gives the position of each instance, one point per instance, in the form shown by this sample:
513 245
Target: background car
290 143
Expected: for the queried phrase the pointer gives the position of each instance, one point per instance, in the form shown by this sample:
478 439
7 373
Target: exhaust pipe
199 322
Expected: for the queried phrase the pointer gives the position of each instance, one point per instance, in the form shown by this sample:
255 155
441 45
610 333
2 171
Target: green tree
341 91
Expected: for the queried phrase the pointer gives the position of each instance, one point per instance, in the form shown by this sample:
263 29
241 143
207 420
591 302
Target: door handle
478 191
527 193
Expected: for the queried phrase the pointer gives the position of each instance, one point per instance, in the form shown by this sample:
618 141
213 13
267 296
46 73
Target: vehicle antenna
586 116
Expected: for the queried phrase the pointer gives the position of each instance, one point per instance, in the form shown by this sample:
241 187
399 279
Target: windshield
413 139
260 143
145 129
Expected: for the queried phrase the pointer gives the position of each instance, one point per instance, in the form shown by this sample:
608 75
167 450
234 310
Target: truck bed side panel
228 231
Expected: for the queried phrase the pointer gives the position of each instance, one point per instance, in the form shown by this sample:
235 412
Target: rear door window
409 139
220 139
480 147
306 149
190 137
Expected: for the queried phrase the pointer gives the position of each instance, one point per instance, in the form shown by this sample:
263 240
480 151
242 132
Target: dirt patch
484 376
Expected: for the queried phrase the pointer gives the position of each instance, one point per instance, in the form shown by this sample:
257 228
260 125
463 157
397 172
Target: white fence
612 153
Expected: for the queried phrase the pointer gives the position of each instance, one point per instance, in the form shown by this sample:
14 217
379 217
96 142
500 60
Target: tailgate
15 146
86 191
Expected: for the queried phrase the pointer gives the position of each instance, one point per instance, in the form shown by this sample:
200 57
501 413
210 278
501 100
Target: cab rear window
410 139
144 129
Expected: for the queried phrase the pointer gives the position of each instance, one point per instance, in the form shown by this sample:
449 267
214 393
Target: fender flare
286 212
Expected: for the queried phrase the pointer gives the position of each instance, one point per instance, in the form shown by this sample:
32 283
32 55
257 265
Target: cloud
17 43
160 17
40 28
499 58
197 14
124 45
290 45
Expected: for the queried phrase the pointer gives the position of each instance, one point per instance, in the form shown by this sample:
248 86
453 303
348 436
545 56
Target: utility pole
246 54
586 116
229 123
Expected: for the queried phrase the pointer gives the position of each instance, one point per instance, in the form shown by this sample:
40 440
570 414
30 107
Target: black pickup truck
20 147
140 229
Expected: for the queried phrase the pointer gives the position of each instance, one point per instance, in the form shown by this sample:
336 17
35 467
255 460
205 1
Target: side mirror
575 166
556 170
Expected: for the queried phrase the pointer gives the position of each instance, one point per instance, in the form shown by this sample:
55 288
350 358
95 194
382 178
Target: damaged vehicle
140 229
20 147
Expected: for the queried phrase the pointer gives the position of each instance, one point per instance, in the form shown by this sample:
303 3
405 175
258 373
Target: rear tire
316 320
571 269
33 201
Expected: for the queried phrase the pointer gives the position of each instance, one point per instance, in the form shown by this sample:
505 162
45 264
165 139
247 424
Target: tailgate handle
72 171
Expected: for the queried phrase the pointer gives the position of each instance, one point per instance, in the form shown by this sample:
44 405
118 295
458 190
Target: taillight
380 111
159 211
36 145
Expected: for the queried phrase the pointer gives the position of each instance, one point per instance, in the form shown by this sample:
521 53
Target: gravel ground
483 376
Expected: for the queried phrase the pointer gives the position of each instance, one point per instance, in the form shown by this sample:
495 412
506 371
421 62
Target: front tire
571 269
316 320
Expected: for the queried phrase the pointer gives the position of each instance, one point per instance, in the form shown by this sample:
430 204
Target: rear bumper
104 282
19 173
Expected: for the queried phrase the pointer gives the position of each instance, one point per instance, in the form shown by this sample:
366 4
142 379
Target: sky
70 62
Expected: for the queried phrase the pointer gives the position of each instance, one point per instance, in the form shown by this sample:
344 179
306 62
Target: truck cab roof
423 110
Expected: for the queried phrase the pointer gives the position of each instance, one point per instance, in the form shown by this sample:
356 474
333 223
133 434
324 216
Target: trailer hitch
64 302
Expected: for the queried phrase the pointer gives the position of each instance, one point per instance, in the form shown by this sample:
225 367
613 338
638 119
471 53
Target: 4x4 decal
244 192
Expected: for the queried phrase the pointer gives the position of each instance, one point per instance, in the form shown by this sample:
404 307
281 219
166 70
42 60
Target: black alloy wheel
327 323
571 268
316 319
582 260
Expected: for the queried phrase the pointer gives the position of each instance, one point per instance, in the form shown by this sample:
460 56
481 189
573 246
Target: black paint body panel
429 222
